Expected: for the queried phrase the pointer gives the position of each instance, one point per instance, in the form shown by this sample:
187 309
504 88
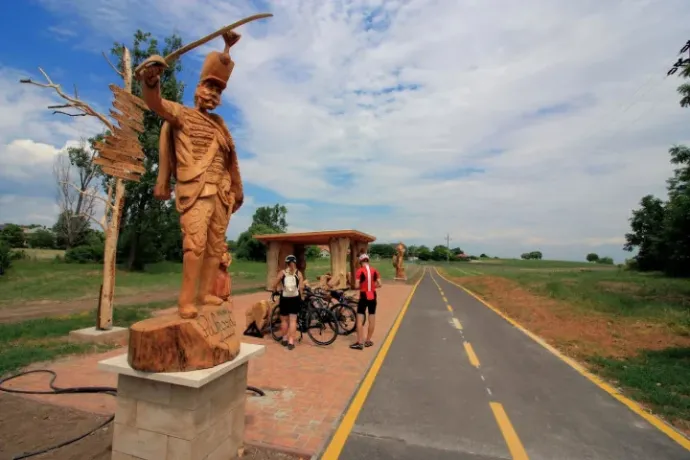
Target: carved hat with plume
218 65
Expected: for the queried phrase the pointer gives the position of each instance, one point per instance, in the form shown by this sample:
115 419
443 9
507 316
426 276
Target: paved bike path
512 400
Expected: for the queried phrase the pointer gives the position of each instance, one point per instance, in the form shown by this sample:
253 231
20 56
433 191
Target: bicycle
345 309
311 316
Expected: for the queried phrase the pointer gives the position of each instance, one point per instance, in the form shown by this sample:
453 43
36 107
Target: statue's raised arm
149 73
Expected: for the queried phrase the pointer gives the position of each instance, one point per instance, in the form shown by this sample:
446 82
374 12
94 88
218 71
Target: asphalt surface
429 401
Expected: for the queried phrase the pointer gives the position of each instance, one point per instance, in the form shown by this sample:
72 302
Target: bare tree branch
74 205
93 219
70 114
72 102
112 65
89 194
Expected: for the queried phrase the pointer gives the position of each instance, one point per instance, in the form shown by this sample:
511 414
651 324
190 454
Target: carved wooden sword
180 51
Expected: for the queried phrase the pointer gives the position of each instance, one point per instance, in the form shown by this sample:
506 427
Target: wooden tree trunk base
168 343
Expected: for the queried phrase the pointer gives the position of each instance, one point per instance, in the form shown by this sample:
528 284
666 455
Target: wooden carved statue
197 149
398 260
223 283
257 320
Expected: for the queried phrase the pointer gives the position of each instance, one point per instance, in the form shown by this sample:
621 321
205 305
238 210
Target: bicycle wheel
322 326
274 323
346 316
352 303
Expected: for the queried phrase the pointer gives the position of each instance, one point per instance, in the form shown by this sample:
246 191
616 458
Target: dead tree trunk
105 313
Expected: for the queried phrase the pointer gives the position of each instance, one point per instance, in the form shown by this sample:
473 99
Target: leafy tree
661 230
423 253
383 250
250 249
312 252
605 261
266 220
70 230
677 214
684 88
274 217
592 257
412 251
440 252
647 225
149 224
232 245
534 255
43 239
13 235
483 256
457 251
5 256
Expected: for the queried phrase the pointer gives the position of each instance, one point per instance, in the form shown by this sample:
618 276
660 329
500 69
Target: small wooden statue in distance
398 261
197 149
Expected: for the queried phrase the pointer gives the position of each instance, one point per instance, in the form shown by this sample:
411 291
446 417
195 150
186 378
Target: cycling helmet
290 258
363 257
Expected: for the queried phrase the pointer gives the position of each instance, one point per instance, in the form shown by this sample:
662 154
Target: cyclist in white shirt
291 282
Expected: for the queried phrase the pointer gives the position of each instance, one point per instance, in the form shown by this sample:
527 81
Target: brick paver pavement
307 389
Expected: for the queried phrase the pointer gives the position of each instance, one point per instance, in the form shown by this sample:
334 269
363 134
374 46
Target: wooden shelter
341 243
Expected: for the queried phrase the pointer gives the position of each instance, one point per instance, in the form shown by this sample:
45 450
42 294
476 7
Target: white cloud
28 210
314 88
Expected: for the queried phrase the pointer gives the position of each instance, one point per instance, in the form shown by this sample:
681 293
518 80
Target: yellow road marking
444 299
338 440
441 292
457 324
517 451
659 424
450 309
471 354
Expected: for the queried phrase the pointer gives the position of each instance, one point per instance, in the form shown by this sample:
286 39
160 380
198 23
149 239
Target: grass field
42 279
44 339
597 288
631 327
43 254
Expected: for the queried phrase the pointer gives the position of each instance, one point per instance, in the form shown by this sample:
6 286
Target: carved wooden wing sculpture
120 154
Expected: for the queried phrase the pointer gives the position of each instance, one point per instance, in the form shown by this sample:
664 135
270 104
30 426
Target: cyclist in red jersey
367 279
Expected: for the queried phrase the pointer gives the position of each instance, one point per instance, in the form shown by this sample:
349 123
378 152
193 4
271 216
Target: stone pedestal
195 415
93 335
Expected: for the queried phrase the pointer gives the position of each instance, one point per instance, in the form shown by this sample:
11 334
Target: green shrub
86 254
18 254
5 256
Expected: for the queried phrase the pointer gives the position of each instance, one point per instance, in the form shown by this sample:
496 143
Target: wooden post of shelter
342 243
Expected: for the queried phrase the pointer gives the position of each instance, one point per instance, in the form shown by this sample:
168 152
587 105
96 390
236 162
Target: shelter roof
315 237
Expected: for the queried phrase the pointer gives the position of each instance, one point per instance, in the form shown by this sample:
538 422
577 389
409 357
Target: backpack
290 285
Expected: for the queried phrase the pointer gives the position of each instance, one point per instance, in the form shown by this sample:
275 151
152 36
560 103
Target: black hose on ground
54 390
256 390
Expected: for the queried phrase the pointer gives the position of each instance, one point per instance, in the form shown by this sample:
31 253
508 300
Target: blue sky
511 127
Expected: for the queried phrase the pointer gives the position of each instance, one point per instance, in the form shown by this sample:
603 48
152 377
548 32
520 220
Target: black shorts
289 305
365 304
